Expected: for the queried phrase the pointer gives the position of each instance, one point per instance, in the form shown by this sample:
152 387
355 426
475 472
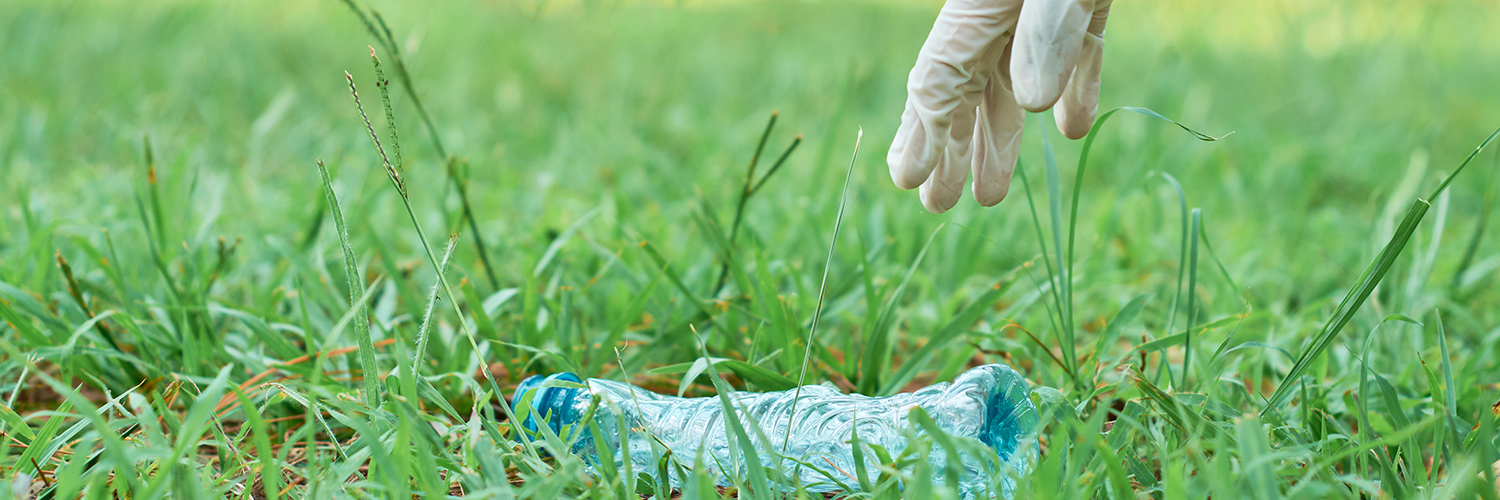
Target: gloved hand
985 61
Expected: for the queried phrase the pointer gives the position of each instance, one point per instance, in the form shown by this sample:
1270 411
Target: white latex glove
985 61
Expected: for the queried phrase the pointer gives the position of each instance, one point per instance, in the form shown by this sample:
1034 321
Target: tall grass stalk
747 191
388 42
396 181
812 331
432 296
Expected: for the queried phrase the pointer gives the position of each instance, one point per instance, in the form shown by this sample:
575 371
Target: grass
205 251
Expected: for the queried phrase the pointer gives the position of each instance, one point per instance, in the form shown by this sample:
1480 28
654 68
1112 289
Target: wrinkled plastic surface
988 403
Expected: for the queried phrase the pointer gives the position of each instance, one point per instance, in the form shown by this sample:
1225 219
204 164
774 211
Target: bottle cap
551 403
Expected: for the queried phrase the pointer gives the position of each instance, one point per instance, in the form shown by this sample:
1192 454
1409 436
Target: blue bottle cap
1010 417
554 400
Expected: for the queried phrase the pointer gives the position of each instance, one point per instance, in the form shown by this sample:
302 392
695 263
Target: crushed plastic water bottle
988 403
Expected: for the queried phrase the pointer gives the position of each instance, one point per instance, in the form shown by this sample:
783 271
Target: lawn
1286 311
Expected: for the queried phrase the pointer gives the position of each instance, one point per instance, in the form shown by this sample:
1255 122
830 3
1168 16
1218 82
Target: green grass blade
270 470
780 160
1062 279
1450 401
812 331
1182 260
1187 343
373 395
876 357
861 469
1119 485
1346 308
29 332
1256 456
154 195
760 485
1179 415
482 320
746 191
42 441
1058 324
1449 180
417 357
951 470
1365 285
1112 329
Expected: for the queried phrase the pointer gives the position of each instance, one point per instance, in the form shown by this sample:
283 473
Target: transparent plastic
987 403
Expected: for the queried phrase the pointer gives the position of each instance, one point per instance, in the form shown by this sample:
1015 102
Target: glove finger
1075 111
1100 16
1048 38
962 32
997 136
946 184
911 150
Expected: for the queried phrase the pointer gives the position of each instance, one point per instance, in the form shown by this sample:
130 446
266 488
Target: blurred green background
638 107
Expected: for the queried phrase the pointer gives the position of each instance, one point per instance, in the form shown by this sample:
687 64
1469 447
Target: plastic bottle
988 403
